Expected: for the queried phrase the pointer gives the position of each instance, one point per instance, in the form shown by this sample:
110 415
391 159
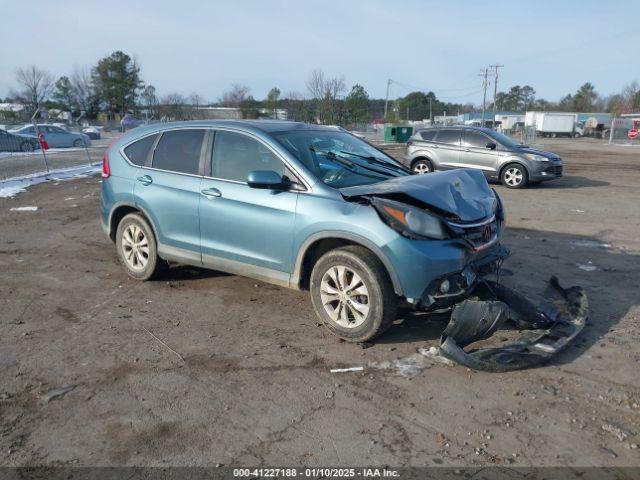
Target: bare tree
173 107
82 89
35 85
326 92
149 101
235 97
196 102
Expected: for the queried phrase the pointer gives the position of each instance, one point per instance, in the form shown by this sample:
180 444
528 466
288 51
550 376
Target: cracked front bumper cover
548 328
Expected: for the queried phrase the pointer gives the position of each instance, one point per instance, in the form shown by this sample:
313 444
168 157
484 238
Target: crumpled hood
535 151
460 192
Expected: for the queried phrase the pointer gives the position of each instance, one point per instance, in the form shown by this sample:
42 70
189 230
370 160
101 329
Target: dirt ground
203 368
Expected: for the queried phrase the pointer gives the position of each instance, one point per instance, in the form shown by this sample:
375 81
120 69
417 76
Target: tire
78 143
514 175
144 263
26 147
375 304
422 166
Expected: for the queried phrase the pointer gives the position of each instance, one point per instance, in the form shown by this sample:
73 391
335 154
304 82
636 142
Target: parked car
92 132
496 155
302 206
56 137
11 142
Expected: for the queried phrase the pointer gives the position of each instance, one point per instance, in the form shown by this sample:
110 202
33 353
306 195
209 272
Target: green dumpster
397 133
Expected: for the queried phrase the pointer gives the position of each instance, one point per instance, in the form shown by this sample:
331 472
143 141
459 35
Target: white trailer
553 124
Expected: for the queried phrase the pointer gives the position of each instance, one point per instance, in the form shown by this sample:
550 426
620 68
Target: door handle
467 149
211 193
145 180
435 146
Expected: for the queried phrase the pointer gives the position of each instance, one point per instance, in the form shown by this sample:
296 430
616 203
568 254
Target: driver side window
236 154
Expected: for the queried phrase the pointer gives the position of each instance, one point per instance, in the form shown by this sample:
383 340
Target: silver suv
498 156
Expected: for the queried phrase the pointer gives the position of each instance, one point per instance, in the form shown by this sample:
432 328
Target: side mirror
491 145
266 179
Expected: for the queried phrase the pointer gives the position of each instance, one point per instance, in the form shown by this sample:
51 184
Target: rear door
167 188
246 230
447 151
475 153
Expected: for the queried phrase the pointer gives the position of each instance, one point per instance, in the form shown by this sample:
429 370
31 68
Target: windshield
339 159
504 140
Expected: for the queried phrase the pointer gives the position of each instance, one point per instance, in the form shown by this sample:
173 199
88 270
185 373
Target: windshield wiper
376 161
346 162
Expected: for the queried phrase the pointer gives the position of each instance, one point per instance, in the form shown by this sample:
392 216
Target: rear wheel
422 166
137 248
514 176
352 294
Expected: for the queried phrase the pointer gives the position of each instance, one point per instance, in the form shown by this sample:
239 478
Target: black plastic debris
546 329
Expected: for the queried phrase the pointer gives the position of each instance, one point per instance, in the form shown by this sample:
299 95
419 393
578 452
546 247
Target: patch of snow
588 267
13 186
29 208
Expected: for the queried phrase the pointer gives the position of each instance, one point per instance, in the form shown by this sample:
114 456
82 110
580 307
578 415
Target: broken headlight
410 221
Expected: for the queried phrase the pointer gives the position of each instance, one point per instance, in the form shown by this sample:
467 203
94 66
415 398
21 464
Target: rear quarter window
138 151
428 135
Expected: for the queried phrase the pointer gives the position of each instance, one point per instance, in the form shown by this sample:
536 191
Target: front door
168 190
475 153
246 230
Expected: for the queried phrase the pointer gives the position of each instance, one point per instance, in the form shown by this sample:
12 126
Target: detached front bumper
547 329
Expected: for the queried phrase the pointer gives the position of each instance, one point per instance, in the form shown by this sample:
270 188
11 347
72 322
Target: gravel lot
203 368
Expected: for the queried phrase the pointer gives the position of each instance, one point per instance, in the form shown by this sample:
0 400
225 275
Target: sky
203 47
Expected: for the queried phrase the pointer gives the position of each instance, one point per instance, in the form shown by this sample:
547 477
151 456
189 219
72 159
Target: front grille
479 234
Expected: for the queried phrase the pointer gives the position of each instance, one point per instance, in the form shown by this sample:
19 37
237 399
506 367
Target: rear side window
138 152
448 136
179 151
428 135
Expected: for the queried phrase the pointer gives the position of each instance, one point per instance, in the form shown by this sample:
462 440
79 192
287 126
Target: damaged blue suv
316 208
303 206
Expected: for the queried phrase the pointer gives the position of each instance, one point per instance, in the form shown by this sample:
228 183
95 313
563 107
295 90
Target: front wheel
514 176
78 143
422 166
352 293
137 248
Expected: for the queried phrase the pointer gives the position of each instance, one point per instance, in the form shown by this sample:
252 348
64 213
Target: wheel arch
419 157
512 162
318 244
123 209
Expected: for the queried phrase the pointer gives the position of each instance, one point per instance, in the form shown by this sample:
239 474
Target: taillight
106 171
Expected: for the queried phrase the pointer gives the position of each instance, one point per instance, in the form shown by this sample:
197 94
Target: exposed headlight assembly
536 158
410 221
499 209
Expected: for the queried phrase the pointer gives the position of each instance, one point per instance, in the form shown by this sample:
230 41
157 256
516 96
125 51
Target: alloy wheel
513 176
421 167
135 247
345 296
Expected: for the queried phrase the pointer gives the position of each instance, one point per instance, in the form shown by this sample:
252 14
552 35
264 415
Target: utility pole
484 96
495 89
430 112
386 100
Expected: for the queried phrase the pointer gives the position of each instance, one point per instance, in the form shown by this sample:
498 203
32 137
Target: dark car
11 142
